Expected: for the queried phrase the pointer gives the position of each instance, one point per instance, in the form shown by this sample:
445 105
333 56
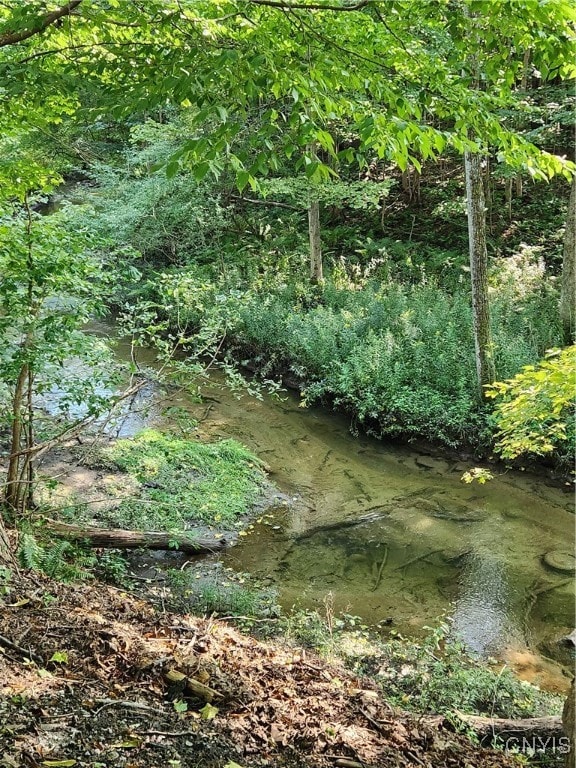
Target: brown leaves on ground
102 696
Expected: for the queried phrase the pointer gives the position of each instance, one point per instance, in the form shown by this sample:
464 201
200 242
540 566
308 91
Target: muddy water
396 537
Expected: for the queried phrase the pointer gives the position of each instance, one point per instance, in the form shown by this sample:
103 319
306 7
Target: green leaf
242 179
201 170
172 169
59 763
208 712
60 657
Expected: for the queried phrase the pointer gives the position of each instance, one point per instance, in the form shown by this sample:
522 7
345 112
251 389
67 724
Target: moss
184 482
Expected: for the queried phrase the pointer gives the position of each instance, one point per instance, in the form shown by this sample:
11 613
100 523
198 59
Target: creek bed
399 539
394 534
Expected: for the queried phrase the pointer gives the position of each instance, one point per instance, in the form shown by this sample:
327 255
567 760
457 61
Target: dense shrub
399 358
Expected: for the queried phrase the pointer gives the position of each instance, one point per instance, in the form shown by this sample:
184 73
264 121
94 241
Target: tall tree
388 73
476 212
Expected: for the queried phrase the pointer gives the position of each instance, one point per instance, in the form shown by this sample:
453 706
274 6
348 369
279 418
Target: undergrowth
436 675
58 558
179 482
206 590
398 357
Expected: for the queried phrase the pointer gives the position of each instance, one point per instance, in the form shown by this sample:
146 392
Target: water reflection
392 533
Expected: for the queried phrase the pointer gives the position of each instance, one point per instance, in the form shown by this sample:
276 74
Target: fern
54 563
59 560
30 553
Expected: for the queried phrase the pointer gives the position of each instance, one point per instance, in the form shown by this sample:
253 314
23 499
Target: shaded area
103 678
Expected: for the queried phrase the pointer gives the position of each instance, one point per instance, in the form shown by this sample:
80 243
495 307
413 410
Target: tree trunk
567 295
316 274
13 493
6 554
118 538
508 197
479 269
533 729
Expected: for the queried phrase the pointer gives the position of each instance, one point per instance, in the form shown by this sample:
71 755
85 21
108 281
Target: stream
392 534
397 537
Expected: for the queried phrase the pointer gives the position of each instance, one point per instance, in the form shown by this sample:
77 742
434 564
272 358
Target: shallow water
394 534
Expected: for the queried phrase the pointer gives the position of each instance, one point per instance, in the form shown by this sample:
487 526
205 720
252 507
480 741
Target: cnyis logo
538 744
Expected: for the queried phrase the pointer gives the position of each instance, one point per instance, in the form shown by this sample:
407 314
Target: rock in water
561 561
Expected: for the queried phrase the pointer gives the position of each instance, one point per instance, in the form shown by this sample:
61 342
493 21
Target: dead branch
198 689
488 728
23 651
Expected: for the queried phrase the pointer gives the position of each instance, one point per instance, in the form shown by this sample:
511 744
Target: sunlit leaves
535 410
261 84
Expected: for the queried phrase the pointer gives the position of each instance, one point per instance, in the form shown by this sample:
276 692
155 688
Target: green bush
398 358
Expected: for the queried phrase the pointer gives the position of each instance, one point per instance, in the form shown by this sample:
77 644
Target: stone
561 561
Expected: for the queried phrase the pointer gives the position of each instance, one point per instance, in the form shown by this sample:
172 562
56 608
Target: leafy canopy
263 81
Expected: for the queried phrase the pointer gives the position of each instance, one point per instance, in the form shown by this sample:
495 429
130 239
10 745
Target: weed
224 593
184 481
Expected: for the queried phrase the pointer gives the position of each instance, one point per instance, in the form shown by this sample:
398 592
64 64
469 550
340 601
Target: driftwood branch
195 686
118 538
490 728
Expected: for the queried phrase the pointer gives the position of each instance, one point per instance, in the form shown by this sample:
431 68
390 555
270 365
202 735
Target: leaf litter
125 685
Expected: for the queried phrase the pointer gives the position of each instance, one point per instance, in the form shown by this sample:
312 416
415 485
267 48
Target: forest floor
92 676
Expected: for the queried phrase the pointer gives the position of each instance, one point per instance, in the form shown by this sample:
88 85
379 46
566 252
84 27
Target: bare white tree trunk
568 288
479 269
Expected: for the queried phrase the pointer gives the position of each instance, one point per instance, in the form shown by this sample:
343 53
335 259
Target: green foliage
5 578
59 559
400 359
181 482
167 218
355 195
52 284
434 675
112 566
534 413
222 592
439 676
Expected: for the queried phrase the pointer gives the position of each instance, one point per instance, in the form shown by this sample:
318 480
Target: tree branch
267 202
10 38
288 6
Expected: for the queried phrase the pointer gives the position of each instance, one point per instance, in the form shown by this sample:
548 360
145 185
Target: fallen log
118 538
537 729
